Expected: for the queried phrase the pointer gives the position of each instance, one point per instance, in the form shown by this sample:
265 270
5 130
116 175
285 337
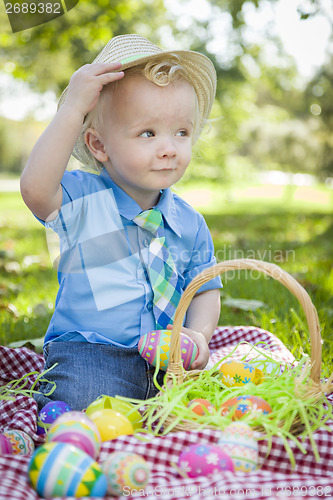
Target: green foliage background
263 117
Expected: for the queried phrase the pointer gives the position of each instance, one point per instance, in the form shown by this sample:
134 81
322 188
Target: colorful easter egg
243 405
22 443
150 343
238 373
6 447
203 460
127 409
76 429
61 470
48 415
125 472
111 424
74 416
238 442
200 406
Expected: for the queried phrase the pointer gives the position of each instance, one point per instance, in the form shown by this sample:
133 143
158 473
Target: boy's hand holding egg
200 341
157 343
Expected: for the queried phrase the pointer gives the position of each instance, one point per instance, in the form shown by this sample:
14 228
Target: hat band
133 58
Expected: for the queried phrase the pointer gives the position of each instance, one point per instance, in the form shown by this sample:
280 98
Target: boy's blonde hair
161 72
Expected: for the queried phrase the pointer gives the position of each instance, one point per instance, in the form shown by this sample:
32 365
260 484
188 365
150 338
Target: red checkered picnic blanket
274 478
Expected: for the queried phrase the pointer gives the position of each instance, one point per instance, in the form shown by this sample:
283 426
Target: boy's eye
182 133
147 133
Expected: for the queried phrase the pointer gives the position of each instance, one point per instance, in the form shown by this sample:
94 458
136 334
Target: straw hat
134 50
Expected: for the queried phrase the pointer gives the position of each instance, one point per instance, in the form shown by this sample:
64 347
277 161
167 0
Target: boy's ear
95 144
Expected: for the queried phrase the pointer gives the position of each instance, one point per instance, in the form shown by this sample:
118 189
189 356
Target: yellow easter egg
108 402
111 424
239 373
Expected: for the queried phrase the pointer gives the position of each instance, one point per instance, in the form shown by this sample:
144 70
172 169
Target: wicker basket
176 373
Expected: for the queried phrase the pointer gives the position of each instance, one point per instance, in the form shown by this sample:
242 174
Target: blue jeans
86 371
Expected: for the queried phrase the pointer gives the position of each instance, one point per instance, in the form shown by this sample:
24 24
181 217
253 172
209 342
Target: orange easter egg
243 405
200 406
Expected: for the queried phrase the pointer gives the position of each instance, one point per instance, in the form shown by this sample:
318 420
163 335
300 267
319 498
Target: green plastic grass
18 387
286 393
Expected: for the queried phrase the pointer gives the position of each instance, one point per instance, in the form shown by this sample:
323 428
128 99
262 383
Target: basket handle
271 270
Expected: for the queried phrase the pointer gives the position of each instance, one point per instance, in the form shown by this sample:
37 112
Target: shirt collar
129 208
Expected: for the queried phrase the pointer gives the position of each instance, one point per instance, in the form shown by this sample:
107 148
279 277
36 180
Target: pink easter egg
77 429
160 339
204 460
6 447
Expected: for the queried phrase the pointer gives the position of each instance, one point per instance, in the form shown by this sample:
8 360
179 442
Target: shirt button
146 242
150 306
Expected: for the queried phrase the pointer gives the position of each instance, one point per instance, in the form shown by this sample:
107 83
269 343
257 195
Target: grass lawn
281 228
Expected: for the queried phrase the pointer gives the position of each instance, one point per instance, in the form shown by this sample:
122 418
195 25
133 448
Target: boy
133 114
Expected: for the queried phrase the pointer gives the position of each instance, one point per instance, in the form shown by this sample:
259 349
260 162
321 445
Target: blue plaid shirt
104 291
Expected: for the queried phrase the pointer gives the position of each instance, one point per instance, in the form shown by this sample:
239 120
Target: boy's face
147 136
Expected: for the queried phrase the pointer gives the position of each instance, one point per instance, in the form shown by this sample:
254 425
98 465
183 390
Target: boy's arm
201 320
41 178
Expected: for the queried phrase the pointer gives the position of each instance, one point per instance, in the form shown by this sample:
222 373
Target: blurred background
273 115
262 173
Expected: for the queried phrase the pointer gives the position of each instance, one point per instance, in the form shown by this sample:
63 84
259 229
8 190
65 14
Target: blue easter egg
49 413
62 470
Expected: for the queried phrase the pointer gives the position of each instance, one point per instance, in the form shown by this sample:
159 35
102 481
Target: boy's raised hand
41 179
86 85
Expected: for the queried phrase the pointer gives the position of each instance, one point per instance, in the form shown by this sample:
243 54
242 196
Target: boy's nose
166 149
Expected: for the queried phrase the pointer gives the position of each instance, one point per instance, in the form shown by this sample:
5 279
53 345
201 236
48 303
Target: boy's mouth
164 169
